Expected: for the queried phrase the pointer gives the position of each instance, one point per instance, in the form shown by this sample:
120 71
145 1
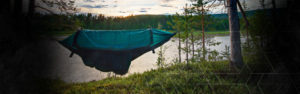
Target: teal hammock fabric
113 50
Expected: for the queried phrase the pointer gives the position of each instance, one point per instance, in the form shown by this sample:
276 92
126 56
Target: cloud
88 0
165 1
165 5
144 10
167 14
95 6
93 1
127 7
122 12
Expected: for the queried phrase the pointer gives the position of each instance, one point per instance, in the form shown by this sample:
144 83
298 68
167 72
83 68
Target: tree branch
243 13
45 9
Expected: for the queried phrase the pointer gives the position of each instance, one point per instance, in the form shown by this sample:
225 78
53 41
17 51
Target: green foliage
177 23
198 34
178 78
161 59
261 27
226 53
260 30
63 24
52 24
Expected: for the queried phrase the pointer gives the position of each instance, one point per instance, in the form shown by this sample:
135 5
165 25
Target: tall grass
198 77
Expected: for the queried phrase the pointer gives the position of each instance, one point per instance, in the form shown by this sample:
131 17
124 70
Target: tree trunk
234 26
245 19
193 45
179 46
274 4
187 47
187 37
203 35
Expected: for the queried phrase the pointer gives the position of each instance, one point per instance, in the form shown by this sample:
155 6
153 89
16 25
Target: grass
199 78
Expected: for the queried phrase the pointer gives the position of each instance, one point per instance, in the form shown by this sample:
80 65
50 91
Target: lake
73 70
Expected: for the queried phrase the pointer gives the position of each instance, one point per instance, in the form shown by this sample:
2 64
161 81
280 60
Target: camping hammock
113 50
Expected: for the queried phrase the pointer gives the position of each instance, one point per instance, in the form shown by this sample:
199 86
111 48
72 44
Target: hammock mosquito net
113 50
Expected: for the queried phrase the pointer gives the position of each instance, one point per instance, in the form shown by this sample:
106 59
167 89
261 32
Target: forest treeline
89 21
61 23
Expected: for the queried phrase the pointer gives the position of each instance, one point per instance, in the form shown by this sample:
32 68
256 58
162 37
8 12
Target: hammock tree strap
151 40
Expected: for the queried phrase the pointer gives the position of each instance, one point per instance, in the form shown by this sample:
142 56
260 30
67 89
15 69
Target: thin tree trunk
193 45
187 47
245 19
247 36
274 4
179 46
203 35
187 37
234 26
243 12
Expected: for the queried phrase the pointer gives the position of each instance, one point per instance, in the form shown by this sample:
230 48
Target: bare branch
64 6
243 13
45 9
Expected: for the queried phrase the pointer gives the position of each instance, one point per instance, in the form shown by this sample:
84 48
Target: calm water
73 70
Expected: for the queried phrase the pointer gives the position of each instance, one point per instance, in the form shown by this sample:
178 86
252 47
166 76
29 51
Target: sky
154 7
161 7
128 7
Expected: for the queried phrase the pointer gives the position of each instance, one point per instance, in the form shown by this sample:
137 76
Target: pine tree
234 26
